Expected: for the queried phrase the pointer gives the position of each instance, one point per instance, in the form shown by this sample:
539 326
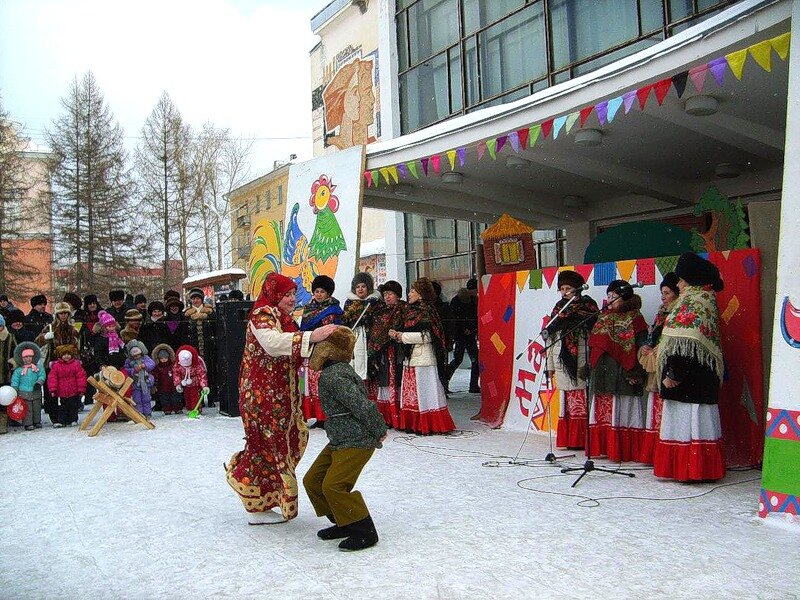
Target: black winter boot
334 533
362 535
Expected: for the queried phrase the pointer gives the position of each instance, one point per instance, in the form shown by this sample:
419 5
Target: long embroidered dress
689 447
567 358
263 474
315 315
358 313
385 361
616 419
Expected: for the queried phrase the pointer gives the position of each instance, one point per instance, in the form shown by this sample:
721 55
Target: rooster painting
295 256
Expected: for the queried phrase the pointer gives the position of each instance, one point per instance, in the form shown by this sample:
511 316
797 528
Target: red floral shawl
274 289
614 334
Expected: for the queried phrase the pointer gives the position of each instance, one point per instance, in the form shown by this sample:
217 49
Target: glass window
432 27
451 272
652 15
402 41
548 255
471 69
463 236
455 80
575 31
513 51
679 9
612 56
424 94
479 13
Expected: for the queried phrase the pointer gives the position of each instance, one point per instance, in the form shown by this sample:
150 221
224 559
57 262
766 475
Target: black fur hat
364 278
696 270
90 299
156 305
73 299
570 278
670 281
324 282
38 299
171 294
140 298
236 295
115 295
391 286
620 287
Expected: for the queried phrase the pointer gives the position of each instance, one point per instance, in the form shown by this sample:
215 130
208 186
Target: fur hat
570 278
70 349
133 314
89 299
37 353
139 299
156 305
196 293
472 284
38 299
174 302
424 288
171 294
3 298
437 289
15 316
164 348
324 282
105 319
62 307
115 295
391 286
364 278
236 295
696 270
337 347
135 344
621 288
73 299
670 281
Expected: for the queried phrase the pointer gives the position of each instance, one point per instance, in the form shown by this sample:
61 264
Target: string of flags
606 112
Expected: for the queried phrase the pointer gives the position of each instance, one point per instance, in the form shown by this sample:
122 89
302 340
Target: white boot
268 517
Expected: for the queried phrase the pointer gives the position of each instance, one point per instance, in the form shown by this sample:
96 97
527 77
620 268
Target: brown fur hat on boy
337 347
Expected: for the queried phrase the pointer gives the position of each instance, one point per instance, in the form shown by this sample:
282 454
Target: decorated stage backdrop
514 308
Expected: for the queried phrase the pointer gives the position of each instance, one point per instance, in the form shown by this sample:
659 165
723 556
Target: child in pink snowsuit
190 377
67 382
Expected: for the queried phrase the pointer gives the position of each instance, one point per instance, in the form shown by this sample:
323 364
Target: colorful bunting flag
558 123
501 141
666 264
451 158
643 94
462 156
535 282
513 139
522 278
375 177
584 270
547 127
613 107
549 274
393 173
534 134
625 268
679 82
602 110
403 170
491 146
436 161
628 98
661 89
385 173
698 77
585 112
762 53
718 66
368 177
522 137
646 271
412 166
424 162
572 118
481 149
781 44
604 273
736 62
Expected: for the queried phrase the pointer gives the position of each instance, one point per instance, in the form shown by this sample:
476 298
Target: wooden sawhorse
109 400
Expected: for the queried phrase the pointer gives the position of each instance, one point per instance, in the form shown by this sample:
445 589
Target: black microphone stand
588 465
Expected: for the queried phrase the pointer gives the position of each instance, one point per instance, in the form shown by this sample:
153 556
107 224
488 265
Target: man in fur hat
355 429
117 308
39 317
16 325
140 304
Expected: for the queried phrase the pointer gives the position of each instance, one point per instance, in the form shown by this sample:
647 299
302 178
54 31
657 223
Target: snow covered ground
147 514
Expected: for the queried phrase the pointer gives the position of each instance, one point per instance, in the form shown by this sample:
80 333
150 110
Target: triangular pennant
736 62
368 177
643 94
462 156
666 264
661 89
572 118
436 161
78 326
781 44
533 134
403 170
522 279
451 158
385 173
646 271
491 146
628 98
501 141
522 137
375 177
424 162
549 274
698 77
613 107
412 167
558 123
547 127
585 112
679 81
481 149
513 139
535 282
602 110
762 53
625 268
718 66
584 270
393 173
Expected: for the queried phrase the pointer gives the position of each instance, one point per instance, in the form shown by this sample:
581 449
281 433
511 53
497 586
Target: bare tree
94 216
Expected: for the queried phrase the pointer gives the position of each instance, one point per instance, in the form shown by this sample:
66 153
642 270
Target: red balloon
18 410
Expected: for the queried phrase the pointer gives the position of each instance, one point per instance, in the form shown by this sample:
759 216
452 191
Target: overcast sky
241 64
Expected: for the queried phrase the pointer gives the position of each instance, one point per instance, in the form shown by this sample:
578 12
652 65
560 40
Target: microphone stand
588 465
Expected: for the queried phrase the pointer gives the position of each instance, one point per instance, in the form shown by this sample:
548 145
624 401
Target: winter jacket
423 353
465 309
26 382
163 376
353 421
38 320
7 344
197 371
66 379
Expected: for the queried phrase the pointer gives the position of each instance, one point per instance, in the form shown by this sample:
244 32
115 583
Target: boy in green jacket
355 428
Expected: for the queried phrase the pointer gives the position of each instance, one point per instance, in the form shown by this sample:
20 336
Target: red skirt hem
389 413
698 460
648 448
624 444
571 433
432 421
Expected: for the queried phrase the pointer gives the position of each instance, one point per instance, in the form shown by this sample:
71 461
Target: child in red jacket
67 382
167 397
189 376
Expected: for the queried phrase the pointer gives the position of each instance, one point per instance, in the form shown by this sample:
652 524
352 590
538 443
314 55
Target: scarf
115 343
275 287
574 322
658 324
691 330
614 334
31 367
422 316
315 313
142 376
353 309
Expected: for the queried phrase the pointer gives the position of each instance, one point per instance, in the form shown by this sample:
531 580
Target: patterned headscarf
275 287
614 334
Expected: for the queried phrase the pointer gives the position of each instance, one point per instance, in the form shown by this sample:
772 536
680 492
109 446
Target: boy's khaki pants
330 481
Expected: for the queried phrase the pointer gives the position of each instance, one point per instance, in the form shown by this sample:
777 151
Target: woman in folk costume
263 474
690 362
358 308
647 358
423 402
323 309
567 358
385 355
616 420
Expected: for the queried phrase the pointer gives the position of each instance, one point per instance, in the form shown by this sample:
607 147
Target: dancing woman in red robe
263 474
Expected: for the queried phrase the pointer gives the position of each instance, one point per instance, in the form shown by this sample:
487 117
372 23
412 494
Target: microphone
633 285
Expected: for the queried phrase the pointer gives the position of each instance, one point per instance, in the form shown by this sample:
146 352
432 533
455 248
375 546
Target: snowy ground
147 514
